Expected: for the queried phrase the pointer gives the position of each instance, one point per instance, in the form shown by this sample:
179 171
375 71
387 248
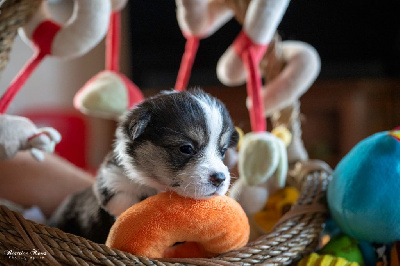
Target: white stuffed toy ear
19 133
104 95
258 158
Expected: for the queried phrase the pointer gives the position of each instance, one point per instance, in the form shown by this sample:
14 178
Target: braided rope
14 14
288 242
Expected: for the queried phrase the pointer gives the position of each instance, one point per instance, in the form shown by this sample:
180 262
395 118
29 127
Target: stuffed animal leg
19 133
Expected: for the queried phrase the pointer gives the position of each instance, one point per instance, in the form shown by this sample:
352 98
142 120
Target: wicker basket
295 235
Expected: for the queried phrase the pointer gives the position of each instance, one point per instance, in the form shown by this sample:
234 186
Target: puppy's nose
217 178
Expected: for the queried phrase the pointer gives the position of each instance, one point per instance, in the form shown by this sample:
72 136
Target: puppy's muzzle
217 178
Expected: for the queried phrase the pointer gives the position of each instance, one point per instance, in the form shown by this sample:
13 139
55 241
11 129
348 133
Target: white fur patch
211 161
127 192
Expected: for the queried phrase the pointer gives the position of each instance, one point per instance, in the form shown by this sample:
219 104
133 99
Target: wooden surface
337 113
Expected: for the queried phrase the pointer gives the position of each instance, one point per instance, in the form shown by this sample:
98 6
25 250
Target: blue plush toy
364 194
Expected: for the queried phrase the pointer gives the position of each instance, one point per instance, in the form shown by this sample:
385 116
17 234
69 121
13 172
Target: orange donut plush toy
171 226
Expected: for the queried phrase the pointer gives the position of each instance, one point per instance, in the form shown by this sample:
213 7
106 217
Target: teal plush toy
364 194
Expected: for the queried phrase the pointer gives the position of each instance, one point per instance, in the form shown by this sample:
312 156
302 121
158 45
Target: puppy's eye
187 149
223 152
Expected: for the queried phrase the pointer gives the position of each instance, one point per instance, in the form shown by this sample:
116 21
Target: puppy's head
177 141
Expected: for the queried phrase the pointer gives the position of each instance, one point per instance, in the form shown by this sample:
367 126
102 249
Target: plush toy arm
44 140
201 18
19 133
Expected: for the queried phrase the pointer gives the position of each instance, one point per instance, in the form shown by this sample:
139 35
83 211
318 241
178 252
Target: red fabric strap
251 54
19 80
185 69
244 43
42 37
44 34
113 42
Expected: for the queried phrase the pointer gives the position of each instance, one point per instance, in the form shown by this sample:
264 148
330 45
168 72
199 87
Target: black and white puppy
174 141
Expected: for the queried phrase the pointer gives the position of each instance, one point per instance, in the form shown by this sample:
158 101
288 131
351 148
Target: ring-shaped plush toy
171 226
86 27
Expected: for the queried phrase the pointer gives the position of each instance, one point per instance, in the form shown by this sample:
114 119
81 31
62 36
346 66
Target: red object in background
185 69
42 38
73 128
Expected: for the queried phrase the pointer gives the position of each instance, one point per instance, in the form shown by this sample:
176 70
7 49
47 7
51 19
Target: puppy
174 141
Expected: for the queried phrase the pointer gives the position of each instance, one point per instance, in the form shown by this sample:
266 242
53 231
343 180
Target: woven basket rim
295 236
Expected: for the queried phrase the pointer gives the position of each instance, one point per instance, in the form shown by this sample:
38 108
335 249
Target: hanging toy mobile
109 93
86 27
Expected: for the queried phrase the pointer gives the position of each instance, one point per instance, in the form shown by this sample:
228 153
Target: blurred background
355 39
356 94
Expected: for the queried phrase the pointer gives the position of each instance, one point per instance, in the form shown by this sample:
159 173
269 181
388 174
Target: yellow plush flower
241 134
283 133
277 205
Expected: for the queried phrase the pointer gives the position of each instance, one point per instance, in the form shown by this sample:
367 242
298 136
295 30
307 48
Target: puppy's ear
233 142
136 122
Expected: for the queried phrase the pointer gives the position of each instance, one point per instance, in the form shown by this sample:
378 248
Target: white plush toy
263 166
109 93
85 29
19 133
260 18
